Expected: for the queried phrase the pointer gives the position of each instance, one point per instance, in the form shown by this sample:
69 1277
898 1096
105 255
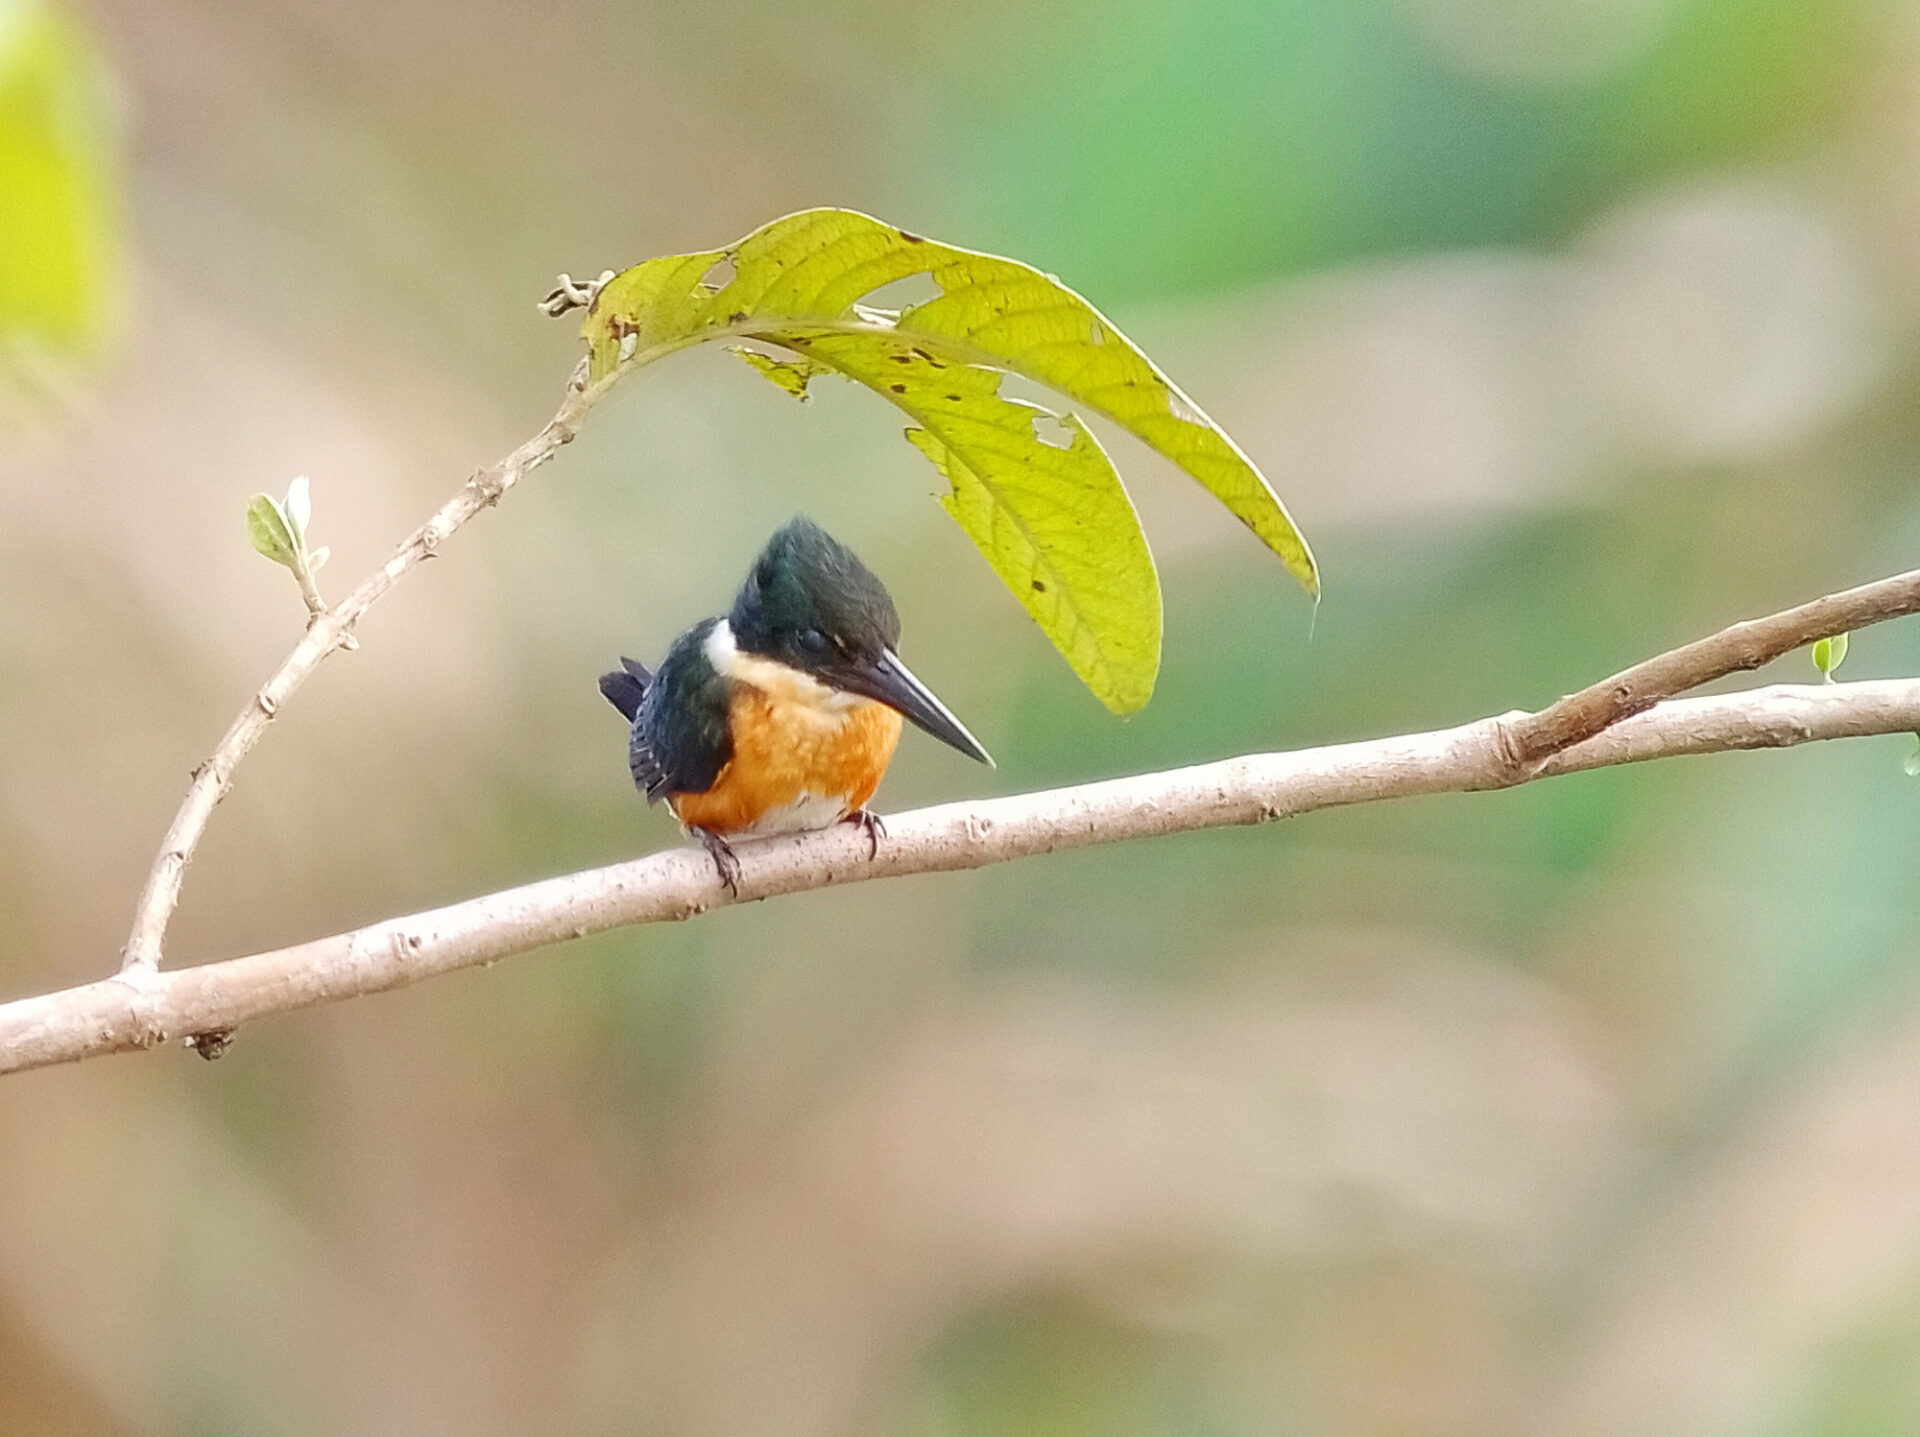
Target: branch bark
327 630
116 1015
1735 649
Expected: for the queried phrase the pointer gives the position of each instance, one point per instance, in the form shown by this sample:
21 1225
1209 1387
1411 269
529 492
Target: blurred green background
1568 329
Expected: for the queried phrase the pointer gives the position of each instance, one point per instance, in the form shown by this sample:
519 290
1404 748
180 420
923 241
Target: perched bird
782 715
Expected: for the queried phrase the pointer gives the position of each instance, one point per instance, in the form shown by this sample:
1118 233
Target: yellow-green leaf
57 232
1100 606
1053 520
1036 509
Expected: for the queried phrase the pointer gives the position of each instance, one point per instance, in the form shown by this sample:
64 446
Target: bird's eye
813 641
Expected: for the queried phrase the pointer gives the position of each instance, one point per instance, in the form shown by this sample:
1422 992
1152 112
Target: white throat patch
772 677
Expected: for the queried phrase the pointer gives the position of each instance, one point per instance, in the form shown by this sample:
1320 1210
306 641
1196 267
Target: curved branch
327 630
1736 648
115 1015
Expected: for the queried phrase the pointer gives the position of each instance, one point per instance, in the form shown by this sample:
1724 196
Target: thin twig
1734 649
327 630
309 587
111 1016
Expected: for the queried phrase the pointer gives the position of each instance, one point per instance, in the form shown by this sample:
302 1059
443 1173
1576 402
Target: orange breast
796 764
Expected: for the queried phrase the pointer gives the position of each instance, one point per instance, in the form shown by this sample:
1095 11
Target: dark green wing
680 740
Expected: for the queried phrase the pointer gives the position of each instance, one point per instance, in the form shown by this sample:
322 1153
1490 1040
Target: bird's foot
869 824
721 852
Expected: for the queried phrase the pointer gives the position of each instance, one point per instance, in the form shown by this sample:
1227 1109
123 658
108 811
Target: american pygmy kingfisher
782 715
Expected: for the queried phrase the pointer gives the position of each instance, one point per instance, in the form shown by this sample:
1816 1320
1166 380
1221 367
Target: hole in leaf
1181 408
1096 332
1052 430
718 276
903 294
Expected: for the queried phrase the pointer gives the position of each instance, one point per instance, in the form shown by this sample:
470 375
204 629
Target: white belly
807 812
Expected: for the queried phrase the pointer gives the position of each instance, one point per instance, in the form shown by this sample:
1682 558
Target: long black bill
893 684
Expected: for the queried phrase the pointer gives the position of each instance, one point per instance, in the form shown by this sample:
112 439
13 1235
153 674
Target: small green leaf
788 375
1829 654
268 528
1912 765
1039 510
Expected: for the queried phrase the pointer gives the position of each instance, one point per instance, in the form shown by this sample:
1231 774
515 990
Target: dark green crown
808 600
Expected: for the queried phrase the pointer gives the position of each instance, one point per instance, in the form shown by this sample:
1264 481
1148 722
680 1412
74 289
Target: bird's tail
626 687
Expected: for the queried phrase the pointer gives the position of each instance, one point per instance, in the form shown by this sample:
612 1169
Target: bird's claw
721 852
869 823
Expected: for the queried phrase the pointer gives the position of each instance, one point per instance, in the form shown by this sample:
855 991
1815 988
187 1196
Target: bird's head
810 604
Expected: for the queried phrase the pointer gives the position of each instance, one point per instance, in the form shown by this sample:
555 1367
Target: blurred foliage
1056 1369
1869 1386
1270 136
59 236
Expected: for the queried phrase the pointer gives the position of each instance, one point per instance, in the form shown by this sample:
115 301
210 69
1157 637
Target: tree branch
1734 649
327 630
115 1015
